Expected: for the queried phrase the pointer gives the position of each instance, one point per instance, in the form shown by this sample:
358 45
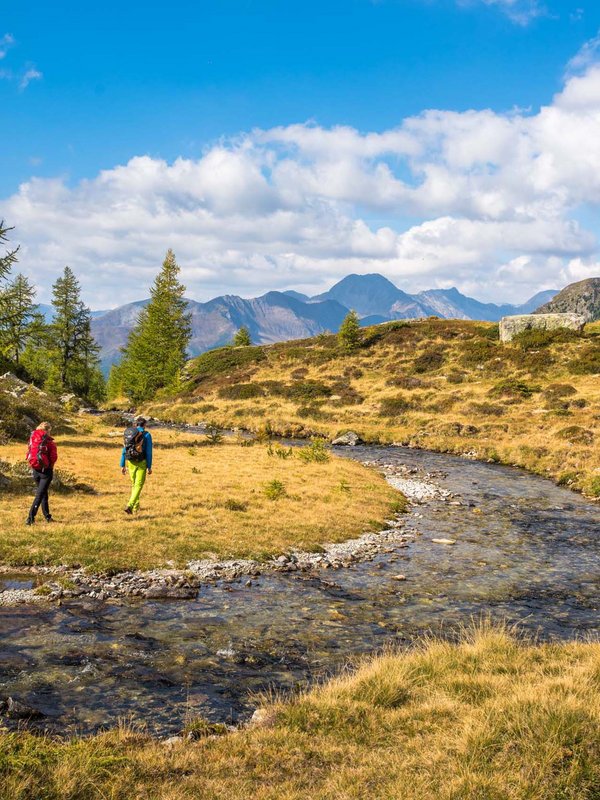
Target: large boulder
348 439
511 326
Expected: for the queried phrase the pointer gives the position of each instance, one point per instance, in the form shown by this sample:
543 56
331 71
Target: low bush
241 391
430 360
575 434
214 434
513 389
235 505
536 338
274 490
407 382
316 451
587 363
394 406
309 390
478 352
223 360
487 409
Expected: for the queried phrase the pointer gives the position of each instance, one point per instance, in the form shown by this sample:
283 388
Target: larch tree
349 336
73 354
18 319
242 337
156 349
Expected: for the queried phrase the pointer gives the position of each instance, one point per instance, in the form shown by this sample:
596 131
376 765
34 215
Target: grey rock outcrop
348 439
511 326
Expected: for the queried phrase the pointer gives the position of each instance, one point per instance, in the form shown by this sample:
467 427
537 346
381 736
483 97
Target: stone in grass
399 577
348 439
263 718
444 541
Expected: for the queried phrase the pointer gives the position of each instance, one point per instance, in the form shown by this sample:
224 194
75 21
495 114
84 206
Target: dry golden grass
187 504
488 719
463 417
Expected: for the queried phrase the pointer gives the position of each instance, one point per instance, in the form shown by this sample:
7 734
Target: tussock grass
200 501
489 718
461 391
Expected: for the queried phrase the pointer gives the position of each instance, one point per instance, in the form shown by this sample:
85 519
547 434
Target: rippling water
525 551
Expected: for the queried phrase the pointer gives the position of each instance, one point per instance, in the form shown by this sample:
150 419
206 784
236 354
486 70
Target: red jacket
50 457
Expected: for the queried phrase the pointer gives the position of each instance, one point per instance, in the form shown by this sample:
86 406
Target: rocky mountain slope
581 298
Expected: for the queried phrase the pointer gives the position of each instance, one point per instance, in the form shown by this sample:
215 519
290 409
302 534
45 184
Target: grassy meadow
486 719
222 500
446 385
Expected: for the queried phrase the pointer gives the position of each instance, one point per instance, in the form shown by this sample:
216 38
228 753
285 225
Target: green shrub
275 490
309 390
487 409
430 360
224 359
214 434
587 363
407 382
235 505
280 452
567 478
594 487
241 391
513 389
316 451
576 435
394 406
313 411
478 352
535 338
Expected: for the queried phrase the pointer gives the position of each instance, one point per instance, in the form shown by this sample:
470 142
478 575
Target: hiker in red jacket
41 457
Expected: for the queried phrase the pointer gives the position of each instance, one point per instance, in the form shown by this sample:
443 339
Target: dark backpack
37 453
133 441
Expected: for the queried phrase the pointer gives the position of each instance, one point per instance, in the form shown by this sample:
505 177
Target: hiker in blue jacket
136 457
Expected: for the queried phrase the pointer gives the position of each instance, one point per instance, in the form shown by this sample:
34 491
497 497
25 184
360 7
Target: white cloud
6 42
521 12
30 74
587 55
493 203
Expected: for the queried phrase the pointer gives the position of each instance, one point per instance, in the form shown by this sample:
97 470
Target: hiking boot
50 518
128 510
29 521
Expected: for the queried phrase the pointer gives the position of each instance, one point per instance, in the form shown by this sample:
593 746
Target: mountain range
278 316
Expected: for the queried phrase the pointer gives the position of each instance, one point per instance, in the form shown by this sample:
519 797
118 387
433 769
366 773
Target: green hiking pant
137 473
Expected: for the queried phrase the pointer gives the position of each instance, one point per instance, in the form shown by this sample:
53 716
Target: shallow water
526 551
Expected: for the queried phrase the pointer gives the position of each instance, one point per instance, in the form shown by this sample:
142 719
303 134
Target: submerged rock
15 709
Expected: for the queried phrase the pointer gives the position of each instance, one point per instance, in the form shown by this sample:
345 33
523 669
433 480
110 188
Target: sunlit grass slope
488 719
442 384
201 501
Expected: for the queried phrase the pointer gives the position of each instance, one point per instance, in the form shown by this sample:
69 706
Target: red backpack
37 454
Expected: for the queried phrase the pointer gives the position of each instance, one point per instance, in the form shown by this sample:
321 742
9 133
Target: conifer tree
10 256
18 319
73 352
157 347
349 333
242 338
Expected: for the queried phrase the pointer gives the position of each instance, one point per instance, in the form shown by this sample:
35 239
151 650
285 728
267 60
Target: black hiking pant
43 481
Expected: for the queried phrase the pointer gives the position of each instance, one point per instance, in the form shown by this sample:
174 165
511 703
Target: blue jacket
146 449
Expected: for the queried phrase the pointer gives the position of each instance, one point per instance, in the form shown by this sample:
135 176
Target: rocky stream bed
165 646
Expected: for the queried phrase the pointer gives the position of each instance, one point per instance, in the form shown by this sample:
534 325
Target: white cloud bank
500 205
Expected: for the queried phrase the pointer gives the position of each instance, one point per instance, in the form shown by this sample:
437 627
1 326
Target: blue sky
86 89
